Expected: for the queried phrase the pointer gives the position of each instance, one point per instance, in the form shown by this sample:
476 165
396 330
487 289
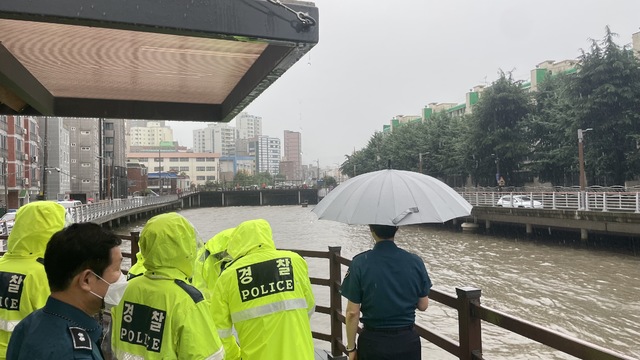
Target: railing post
604 201
469 326
553 200
335 303
637 203
135 237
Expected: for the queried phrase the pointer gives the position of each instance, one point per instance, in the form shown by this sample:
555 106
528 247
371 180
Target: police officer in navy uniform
81 263
387 284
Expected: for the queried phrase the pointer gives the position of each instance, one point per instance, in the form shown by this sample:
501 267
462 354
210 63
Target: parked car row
6 222
518 201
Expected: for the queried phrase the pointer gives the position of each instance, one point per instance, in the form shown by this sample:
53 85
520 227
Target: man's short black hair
76 248
384 231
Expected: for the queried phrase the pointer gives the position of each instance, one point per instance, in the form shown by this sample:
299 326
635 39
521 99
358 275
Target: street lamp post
420 161
583 179
496 159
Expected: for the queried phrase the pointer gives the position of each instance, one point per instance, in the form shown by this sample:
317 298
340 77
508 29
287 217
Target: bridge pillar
487 224
584 235
529 229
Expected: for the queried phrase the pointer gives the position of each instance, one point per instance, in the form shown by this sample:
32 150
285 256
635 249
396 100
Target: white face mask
115 291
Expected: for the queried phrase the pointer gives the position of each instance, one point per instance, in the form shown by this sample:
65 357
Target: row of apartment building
538 74
91 159
61 158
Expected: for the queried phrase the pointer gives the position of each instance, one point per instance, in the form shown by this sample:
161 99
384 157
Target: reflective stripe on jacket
161 315
266 294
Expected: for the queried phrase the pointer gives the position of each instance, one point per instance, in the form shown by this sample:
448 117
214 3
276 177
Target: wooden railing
471 314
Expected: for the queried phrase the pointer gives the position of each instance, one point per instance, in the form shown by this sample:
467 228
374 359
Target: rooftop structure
202 61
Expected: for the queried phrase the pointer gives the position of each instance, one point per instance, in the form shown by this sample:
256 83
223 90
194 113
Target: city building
635 43
215 138
113 159
248 126
231 165
150 135
198 167
54 158
137 178
266 151
85 159
19 147
292 154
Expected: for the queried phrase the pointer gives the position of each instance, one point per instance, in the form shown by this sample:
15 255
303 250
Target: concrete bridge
116 211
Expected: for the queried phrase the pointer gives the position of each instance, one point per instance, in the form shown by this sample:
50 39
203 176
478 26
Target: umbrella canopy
392 197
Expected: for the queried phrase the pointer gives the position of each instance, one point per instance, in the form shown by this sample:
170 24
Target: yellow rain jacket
161 316
266 294
138 268
216 257
23 281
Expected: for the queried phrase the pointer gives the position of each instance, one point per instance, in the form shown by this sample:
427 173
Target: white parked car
6 222
519 201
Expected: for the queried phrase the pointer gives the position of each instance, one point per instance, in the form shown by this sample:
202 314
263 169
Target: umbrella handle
404 214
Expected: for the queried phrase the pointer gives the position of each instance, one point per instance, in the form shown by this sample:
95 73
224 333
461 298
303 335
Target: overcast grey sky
377 59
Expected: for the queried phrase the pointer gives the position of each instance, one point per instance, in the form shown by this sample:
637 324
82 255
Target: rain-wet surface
593 295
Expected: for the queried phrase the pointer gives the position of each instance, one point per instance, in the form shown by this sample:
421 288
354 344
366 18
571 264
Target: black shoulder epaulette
40 260
362 253
206 254
80 338
195 294
132 276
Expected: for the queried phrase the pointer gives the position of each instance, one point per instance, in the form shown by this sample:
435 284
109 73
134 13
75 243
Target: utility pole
5 170
159 171
109 194
100 161
43 186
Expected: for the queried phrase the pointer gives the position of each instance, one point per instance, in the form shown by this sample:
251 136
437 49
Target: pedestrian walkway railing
92 212
471 315
570 200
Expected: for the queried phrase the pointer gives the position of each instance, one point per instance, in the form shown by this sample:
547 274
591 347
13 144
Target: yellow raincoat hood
168 241
35 223
219 243
250 236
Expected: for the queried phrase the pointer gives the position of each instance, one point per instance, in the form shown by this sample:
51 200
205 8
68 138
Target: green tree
329 181
498 130
607 92
552 132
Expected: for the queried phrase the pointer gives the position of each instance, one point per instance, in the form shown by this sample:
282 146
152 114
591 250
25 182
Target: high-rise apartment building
55 158
151 135
20 147
635 43
293 154
114 160
85 159
215 138
248 126
267 154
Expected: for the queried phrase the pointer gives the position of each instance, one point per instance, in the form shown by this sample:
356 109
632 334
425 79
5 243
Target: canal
593 295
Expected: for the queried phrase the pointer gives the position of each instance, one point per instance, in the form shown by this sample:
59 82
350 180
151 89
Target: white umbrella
392 197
